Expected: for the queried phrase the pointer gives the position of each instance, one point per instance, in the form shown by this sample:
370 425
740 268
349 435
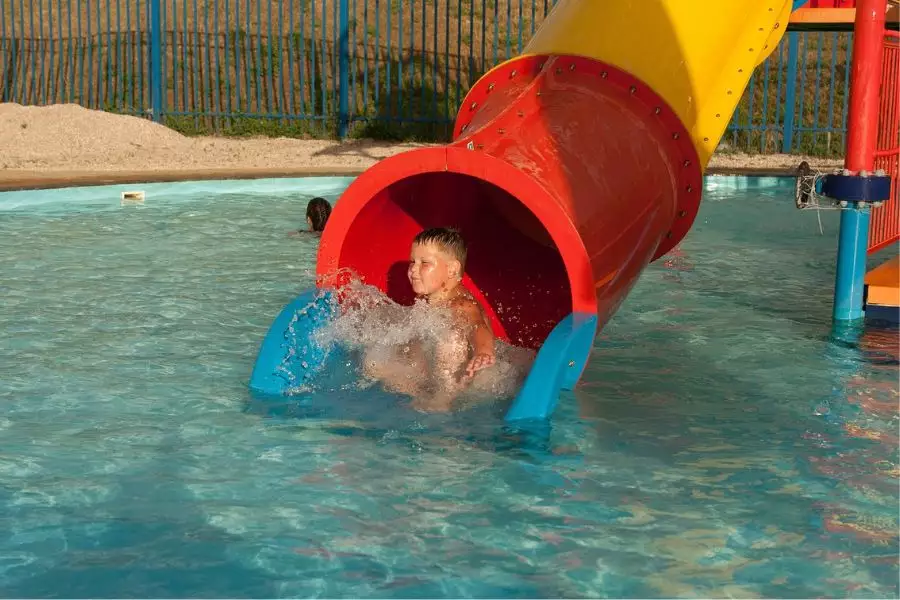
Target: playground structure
574 166
870 215
871 161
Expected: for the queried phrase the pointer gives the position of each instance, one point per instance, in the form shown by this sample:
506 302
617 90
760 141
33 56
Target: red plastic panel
884 228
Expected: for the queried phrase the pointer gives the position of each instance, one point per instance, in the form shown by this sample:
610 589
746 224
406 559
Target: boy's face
432 270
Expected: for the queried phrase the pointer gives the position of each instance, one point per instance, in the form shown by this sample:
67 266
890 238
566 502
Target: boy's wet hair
318 210
447 239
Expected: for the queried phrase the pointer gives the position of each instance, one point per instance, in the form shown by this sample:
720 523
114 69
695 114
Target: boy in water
436 265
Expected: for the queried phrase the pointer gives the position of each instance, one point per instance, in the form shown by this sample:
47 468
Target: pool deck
15 179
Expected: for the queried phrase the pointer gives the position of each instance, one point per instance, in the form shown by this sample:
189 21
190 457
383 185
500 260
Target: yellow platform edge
838 16
883 284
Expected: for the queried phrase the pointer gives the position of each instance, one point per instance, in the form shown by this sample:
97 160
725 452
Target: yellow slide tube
697 54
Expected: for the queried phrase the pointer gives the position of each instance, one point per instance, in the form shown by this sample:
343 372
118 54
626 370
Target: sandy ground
68 138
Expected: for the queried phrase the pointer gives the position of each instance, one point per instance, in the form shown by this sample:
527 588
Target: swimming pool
721 442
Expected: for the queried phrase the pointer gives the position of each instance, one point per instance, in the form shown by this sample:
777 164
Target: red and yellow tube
573 166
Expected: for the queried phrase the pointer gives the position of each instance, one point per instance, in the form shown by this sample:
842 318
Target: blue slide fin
290 355
557 367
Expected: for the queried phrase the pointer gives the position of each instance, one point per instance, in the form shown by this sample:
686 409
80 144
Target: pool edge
20 180
13 180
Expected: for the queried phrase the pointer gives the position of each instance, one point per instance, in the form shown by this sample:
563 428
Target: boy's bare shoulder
469 309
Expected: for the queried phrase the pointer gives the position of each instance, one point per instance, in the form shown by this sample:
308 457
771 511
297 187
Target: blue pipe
851 264
344 69
790 96
155 60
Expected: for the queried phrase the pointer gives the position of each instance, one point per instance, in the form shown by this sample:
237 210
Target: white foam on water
233 521
20 467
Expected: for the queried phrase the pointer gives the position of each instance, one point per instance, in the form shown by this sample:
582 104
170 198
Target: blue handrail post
344 69
790 94
850 277
862 137
156 83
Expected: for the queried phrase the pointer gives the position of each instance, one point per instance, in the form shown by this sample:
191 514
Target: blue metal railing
381 68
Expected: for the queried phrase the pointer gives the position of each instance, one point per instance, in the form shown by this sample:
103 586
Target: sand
69 138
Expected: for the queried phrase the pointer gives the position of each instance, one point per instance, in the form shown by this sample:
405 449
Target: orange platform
883 284
836 18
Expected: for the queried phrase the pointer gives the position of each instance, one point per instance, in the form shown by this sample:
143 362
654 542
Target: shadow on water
343 403
379 417
147 540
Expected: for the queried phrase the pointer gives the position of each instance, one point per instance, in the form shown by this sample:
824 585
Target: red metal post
884 227
865 81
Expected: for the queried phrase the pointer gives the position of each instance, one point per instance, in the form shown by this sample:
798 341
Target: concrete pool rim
21 180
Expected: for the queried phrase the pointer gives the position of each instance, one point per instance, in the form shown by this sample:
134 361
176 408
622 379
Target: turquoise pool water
722 442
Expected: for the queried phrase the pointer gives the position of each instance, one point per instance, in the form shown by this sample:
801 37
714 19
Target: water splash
376 331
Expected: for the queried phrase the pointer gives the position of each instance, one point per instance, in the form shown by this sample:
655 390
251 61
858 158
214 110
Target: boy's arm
450 355
481 339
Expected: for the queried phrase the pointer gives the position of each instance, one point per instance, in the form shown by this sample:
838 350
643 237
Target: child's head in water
437 261
317 212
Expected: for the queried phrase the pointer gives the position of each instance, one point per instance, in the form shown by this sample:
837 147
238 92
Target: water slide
572 167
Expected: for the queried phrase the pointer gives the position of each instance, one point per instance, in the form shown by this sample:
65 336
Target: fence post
156 83
790 95
344 69
7 83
